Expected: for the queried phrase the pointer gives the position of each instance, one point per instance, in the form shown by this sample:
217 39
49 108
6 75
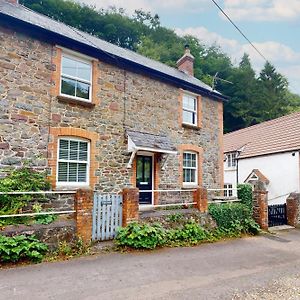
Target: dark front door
144 178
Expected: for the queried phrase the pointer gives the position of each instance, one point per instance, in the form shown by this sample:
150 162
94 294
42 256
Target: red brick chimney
186 62
13 1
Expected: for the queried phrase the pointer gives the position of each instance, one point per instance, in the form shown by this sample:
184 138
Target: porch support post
133 153
200 197
83 205
260 206
130 210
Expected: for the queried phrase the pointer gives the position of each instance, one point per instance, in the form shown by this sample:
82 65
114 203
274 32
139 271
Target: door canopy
141 141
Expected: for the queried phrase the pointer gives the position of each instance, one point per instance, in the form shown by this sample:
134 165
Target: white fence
16 193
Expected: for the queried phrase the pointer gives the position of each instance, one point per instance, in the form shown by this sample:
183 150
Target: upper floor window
228 191
189 106
76 78
73 162
190 168
231 159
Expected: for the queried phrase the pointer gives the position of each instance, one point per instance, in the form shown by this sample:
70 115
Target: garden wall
50 234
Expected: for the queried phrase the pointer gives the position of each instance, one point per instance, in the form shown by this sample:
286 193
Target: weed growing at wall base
140 235
21 247
236 217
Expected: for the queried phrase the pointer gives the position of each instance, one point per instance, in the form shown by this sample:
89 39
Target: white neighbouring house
268 152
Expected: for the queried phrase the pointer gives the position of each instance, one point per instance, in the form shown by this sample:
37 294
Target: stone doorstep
281 227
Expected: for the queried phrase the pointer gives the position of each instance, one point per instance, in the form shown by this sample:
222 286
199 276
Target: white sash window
73 162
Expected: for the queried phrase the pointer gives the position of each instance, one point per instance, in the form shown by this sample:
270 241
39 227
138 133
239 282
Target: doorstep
281 227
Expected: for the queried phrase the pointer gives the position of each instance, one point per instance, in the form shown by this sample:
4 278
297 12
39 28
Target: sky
272 25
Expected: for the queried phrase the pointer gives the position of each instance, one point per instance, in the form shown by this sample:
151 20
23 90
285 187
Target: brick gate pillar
260 206
130 210
200 197
292 209
83 203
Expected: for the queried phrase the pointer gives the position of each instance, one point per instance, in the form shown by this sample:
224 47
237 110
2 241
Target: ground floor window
73 161
190 166
228 190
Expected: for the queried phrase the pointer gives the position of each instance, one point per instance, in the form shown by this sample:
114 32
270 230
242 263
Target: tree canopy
252 98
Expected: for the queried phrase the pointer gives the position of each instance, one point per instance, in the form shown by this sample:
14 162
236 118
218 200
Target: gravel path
287 288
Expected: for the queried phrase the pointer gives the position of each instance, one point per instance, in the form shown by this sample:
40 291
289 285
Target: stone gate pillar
200 198
130 209
83 205
260 206
293 209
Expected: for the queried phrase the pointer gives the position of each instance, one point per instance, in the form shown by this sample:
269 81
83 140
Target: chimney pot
186 62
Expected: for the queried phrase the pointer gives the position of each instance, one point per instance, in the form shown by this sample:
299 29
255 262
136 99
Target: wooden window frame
77 133
185 183
80 59
194 149
228 190
231 161
198 111
194 112
56 79
87 162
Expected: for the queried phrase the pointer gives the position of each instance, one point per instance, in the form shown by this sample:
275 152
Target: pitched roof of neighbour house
53 31
275 136
258 176
144 141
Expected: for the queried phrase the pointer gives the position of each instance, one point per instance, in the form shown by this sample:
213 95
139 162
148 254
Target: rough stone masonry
31 117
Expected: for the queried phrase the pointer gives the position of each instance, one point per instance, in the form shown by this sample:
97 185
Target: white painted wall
230 177
282 170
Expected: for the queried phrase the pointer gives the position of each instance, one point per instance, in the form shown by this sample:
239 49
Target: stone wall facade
32 117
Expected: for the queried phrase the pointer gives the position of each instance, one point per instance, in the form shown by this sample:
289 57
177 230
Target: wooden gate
277 215
107 216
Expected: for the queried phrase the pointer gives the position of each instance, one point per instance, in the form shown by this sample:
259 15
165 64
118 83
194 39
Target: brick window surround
58 132
190 148
180 110
56 78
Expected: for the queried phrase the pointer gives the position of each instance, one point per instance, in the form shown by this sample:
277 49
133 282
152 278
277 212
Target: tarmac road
224 270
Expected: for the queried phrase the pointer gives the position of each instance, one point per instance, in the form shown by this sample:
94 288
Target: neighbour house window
73 162
228 191
76 78
231 159
190 168
189 106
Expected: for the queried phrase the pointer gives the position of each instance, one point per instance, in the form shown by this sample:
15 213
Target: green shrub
235 217
174 217
245 195
23 179
13 249
43 219
141 235
191 233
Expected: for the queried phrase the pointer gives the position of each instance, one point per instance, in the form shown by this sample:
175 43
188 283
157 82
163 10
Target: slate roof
275 136
149 140
23 14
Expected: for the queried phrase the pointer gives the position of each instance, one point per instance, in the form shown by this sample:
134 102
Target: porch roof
142 141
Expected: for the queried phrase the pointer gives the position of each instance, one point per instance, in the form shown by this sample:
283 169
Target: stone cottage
95 115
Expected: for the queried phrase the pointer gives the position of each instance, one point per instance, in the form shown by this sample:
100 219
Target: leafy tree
240 110
273 100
